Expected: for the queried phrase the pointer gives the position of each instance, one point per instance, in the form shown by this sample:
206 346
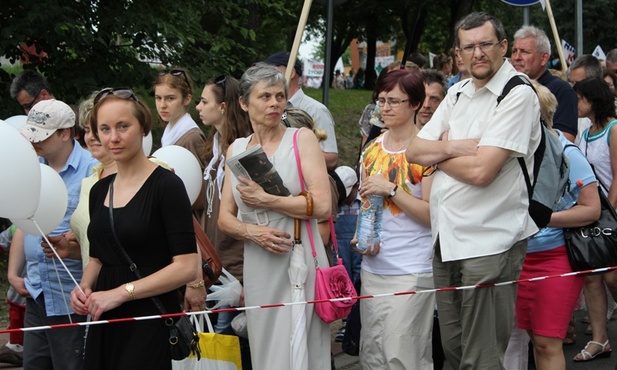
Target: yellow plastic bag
218 351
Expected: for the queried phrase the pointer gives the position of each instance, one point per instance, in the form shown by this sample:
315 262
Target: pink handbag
330 282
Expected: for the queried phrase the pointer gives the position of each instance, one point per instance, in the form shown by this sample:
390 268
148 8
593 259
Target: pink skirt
544 307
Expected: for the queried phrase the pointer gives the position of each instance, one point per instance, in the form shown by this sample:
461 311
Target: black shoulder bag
183 338
595 245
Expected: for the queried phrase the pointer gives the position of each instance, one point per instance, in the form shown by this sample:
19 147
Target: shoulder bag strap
308 225
119 248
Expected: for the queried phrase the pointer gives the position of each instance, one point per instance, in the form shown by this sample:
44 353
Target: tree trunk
458 9
370 75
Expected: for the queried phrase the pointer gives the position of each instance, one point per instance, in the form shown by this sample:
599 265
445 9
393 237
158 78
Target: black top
153 226
566 116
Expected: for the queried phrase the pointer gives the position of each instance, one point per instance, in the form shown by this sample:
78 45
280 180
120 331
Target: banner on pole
569 52
313 68
383 62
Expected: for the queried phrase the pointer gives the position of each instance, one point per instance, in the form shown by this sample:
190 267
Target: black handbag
183 338
595 245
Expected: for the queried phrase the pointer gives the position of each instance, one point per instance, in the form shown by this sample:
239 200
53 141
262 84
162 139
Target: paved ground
345 362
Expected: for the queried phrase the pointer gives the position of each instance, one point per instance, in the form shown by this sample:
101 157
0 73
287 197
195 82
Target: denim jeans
345 228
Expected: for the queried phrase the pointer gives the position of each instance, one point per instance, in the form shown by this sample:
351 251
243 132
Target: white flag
599 53
569 53
431 56
543 3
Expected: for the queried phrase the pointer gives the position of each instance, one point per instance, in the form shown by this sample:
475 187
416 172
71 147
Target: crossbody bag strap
120 249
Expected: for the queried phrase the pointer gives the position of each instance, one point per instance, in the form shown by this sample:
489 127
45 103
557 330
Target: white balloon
54 200
20 183
185 165
147 144
17 121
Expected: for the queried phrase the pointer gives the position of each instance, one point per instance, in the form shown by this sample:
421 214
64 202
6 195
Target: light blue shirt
42 276
549 237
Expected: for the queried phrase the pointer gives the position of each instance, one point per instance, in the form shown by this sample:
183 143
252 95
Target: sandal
588 356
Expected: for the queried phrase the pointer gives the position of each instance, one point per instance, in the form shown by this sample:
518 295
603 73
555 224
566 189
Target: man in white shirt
479 200
319 112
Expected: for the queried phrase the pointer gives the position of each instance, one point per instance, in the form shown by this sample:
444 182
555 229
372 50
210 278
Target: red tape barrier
275 305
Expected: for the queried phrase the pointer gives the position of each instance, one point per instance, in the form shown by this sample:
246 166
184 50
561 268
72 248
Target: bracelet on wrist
200 284
309 202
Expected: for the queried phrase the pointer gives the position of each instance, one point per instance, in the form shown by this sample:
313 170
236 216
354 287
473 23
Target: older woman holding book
266 222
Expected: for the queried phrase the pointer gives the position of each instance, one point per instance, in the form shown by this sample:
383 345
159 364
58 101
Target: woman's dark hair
410 82
390 67
599 95
613 76
440 60
226 89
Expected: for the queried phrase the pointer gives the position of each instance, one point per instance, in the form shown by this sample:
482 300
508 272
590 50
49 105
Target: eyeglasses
175 72
121 92
29 106
220 80
483 46
392 102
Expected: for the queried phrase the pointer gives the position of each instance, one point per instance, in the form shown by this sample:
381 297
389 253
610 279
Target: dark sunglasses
175 72
121 92
220 80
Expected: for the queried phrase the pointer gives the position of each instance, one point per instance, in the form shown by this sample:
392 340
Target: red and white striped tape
275 305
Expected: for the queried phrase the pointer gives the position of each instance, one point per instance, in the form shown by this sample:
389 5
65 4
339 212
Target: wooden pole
551 19
296 45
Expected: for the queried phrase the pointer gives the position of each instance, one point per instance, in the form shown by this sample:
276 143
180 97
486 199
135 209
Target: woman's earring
222 113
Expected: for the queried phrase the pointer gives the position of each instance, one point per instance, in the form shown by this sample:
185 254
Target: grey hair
431 76
543 44
611 57
31 81
85 110
592 66
260 72
477 19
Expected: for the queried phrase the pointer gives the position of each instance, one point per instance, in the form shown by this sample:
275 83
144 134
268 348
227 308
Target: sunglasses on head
220 80
175 72
121 92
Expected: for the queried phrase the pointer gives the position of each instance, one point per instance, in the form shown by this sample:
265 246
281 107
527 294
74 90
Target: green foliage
346 107
89 45
92 44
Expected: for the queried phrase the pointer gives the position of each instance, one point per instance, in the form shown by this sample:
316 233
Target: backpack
551 169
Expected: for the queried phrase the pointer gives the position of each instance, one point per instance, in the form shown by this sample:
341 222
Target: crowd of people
437 145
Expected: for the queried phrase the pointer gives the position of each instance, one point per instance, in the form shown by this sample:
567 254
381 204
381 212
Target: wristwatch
130 288
393 191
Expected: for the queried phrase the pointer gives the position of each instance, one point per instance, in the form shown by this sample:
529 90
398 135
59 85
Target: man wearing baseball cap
319 112
49 127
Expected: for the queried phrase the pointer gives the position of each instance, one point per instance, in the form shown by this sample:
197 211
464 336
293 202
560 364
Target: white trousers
397 331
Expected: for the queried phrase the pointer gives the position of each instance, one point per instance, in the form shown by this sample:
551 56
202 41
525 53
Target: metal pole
525 16
579 28
329 26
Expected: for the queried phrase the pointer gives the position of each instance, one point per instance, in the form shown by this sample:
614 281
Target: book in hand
254 164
